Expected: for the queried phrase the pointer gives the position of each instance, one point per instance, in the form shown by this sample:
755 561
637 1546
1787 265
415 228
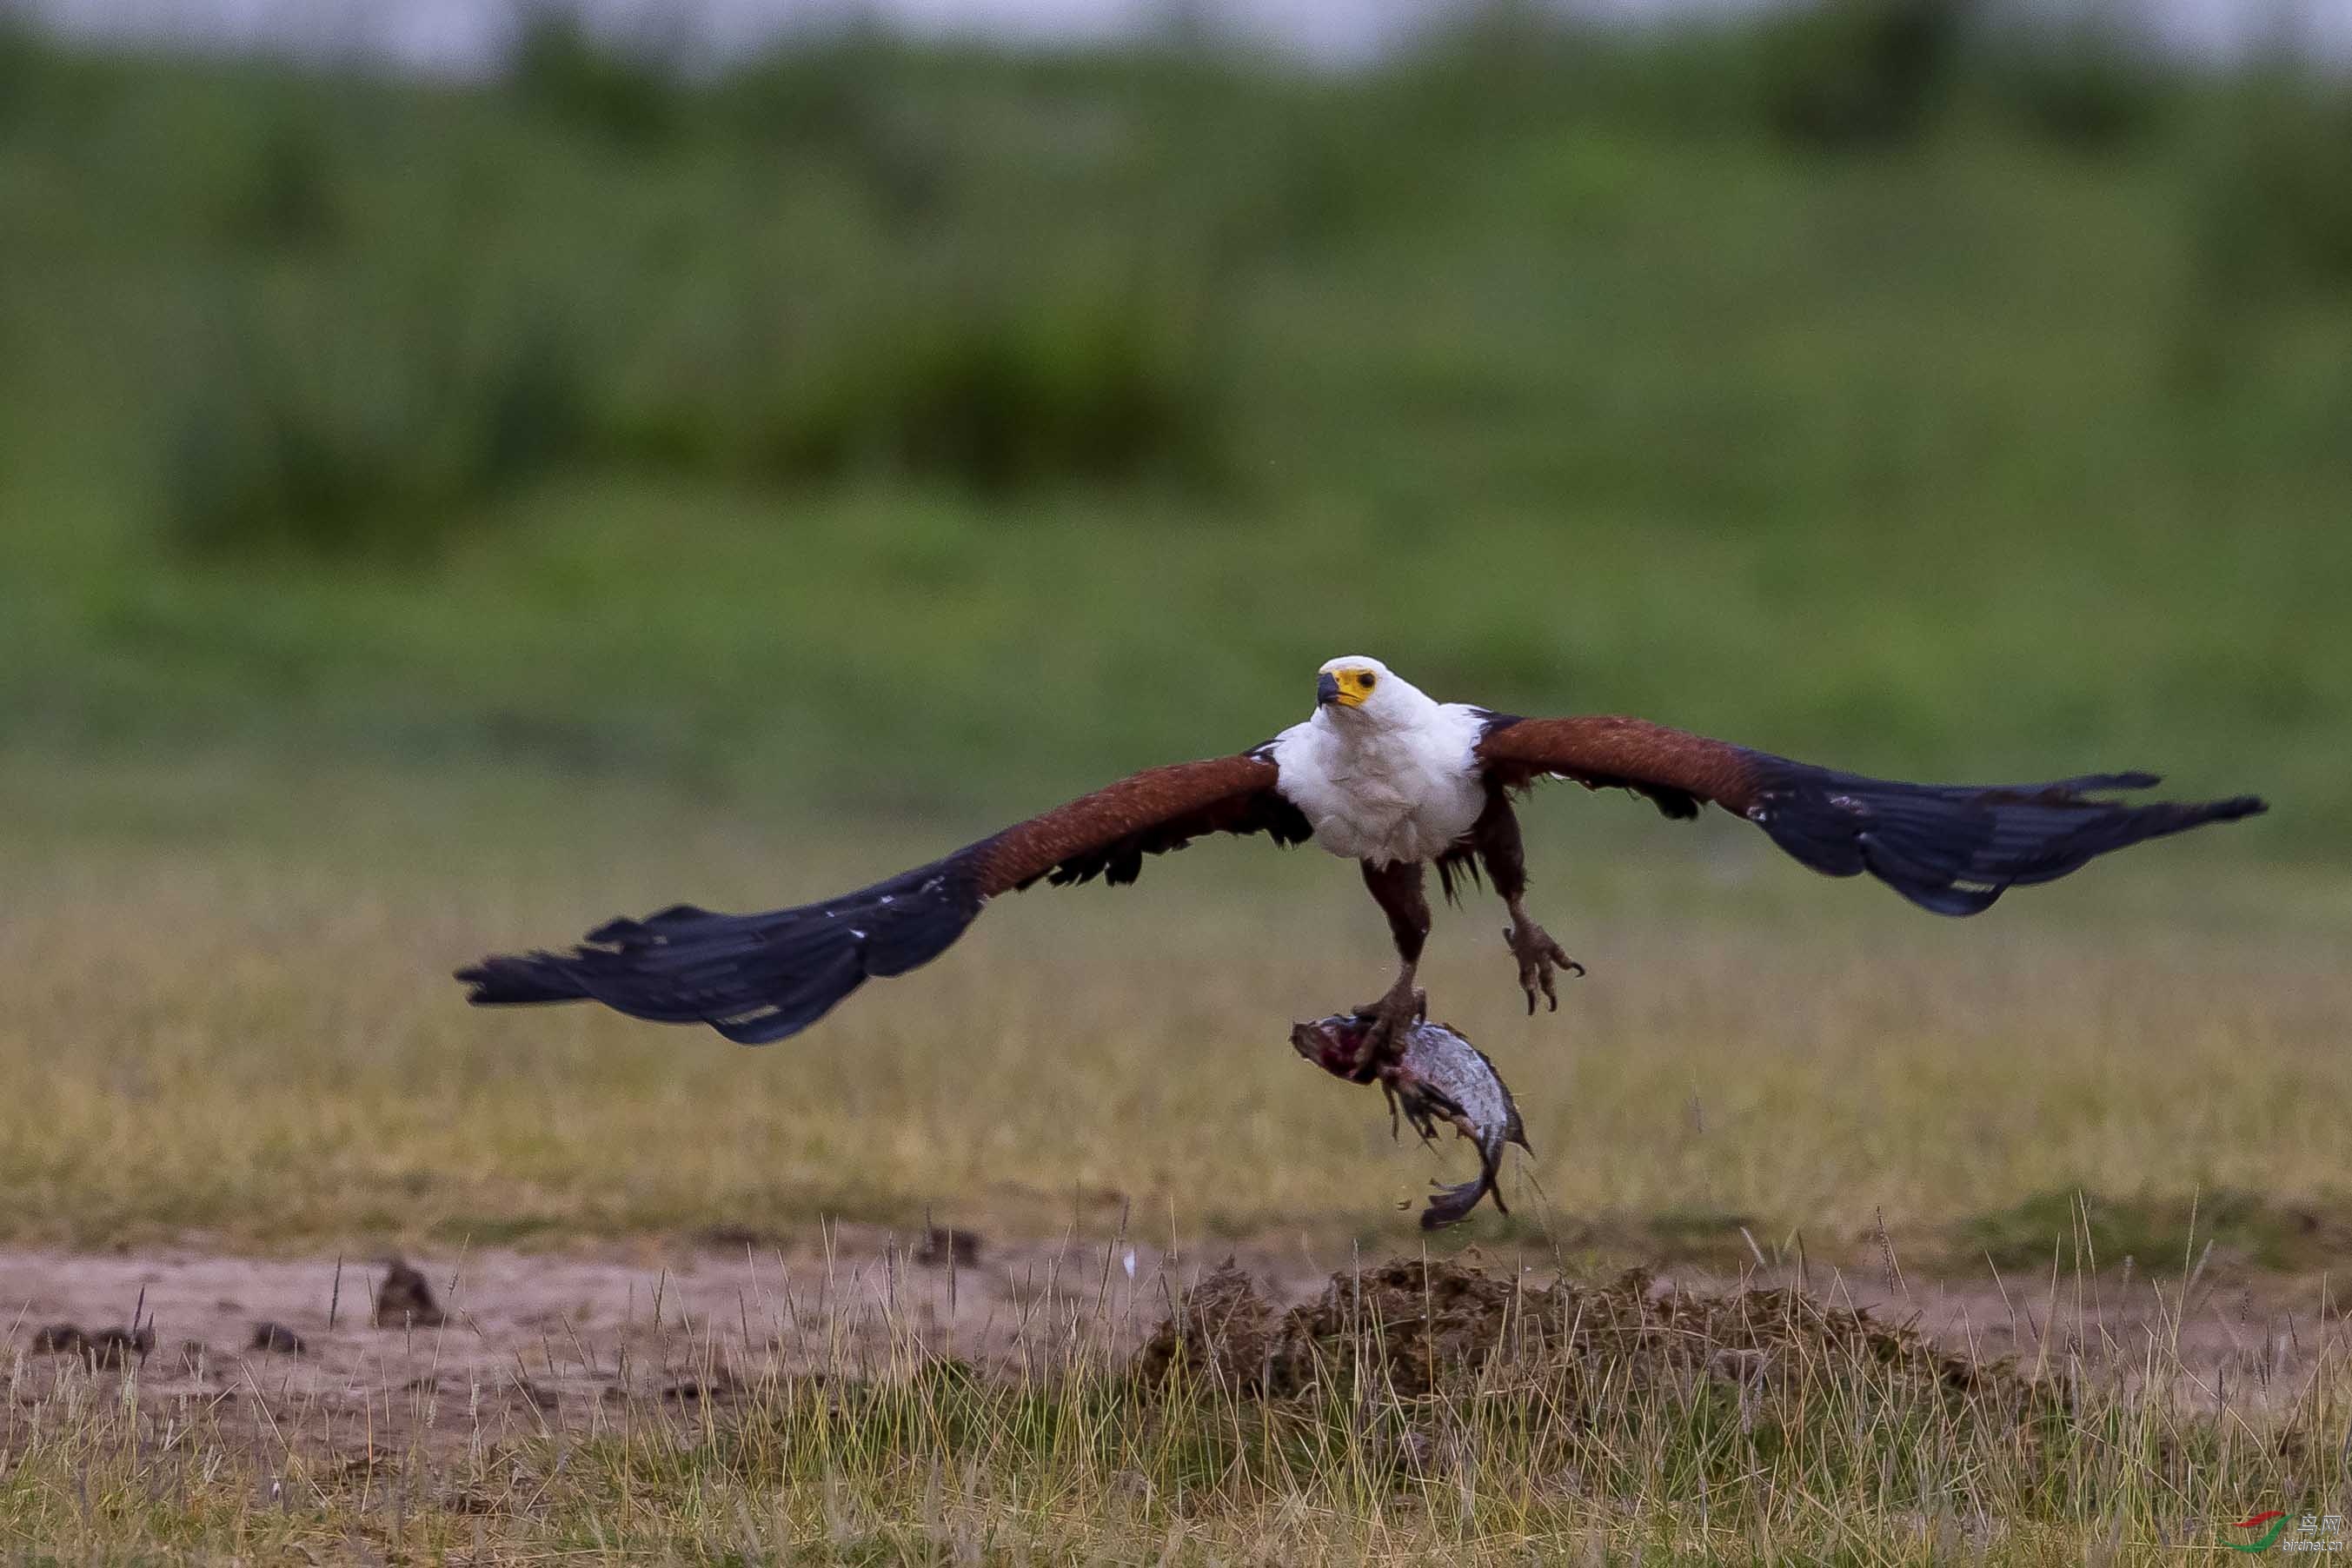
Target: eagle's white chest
1402 792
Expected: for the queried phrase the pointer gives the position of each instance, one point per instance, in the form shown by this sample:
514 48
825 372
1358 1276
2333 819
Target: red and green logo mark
2271 1525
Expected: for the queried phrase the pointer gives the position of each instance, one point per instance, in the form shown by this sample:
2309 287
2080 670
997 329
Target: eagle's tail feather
754 978
1955 849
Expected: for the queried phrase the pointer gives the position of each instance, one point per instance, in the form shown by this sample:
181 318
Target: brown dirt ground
580 1340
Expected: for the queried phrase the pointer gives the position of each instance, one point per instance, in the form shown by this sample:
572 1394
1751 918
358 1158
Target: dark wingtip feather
1956 849
515 978
754 978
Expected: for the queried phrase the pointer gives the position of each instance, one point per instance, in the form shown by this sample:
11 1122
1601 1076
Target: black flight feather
1956 848
754 978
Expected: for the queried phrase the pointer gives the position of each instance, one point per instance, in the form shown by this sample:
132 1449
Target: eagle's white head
1357 689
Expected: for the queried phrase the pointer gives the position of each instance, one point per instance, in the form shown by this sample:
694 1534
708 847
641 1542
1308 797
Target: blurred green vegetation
880 427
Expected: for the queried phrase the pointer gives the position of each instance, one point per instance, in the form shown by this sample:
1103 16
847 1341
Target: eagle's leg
1398 887
1496 835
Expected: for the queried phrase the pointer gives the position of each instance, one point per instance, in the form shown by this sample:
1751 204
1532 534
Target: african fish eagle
1387 776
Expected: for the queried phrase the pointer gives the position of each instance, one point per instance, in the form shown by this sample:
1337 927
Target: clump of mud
404 1300
1415 1329
1224 1329
945 1246
277 1339
97 1348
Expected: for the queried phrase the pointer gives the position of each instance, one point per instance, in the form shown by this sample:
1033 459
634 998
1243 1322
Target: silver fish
1439 1076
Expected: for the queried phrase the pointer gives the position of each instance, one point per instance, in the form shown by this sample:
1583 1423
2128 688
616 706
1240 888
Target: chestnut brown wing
1952 848
1107 834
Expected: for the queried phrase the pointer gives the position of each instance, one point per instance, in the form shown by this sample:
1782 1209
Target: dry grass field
2098 1131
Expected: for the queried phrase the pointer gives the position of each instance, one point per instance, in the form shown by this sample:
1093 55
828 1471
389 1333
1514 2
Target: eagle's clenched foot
1540 958
1391 1017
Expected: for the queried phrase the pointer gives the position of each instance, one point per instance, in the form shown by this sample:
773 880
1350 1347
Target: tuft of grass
557 67
1007 391
336 435
1851 74
26 67
997 387
2274 199
291 199
2268 263
2080 77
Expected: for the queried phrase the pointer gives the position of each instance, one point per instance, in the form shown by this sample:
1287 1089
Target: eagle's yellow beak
1346 688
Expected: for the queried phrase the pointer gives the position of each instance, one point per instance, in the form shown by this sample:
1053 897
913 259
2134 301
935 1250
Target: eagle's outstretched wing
761 977
1952 848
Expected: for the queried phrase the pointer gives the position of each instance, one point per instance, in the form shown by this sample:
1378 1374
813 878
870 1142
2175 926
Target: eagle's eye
1364 679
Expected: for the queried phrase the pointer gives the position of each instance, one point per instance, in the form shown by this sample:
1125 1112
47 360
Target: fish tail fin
1452 1205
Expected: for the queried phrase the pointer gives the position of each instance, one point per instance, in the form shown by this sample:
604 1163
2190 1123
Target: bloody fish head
1333 1044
